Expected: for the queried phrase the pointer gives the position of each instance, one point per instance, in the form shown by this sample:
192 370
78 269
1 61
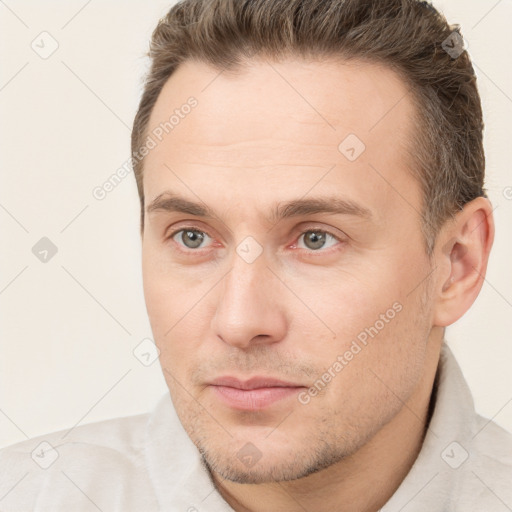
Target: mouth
253 394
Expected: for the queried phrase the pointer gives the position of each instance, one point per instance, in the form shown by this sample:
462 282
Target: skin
267 135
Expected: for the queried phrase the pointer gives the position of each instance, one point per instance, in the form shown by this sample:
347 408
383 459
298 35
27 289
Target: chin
276 469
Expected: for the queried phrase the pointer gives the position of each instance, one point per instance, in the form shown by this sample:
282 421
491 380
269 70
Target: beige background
69 326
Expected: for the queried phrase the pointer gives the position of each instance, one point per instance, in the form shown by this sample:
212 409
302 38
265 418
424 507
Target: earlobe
463 260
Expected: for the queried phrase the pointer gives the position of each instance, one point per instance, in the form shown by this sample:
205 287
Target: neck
363 482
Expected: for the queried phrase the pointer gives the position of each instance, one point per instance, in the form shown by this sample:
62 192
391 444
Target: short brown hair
410 36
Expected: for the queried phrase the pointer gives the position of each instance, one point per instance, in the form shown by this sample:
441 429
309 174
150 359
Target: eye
316 239
312 240
190 238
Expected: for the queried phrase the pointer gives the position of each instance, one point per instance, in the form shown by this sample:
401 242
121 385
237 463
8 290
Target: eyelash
309 251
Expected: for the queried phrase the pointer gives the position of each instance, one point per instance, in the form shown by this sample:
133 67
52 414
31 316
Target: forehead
283 124
331 96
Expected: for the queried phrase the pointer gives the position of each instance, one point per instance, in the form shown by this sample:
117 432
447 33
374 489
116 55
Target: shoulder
492 445
121 436
493 441
487 482
77 465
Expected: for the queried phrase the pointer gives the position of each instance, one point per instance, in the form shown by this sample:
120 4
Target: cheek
366 382
176 310
163 297
157 295
378 323
344 302
165 287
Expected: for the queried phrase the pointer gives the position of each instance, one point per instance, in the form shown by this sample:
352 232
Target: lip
253 394
254 383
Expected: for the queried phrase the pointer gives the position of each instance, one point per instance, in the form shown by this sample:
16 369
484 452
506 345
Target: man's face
333 304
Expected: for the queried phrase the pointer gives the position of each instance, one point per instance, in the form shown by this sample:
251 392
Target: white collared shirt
147 463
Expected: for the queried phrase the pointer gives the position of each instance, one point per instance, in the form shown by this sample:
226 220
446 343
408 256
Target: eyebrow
170 202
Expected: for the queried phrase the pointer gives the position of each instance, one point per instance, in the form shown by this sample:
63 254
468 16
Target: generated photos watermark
156 136
357 345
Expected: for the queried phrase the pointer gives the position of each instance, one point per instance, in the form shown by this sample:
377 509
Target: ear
462 252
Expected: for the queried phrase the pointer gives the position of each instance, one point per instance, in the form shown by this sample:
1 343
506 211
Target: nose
249 309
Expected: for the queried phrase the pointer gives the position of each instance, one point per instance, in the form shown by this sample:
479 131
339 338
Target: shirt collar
181 481
433 478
